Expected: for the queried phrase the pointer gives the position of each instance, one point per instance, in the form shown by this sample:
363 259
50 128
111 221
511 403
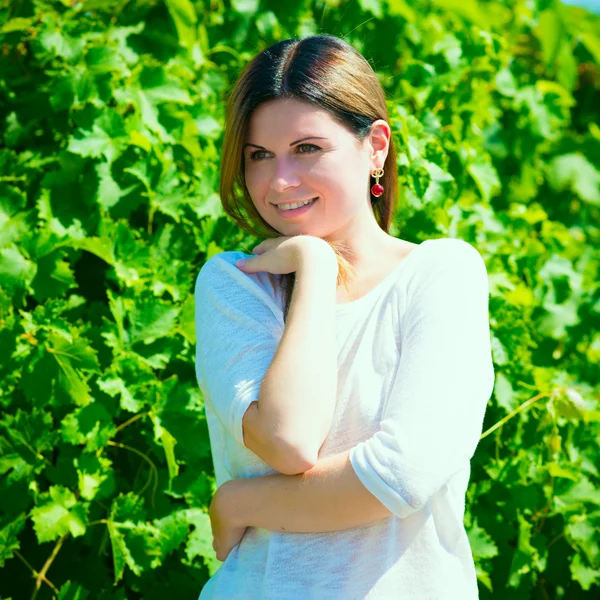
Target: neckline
347 307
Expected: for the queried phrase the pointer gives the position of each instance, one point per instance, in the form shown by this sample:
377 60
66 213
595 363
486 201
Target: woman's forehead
290 118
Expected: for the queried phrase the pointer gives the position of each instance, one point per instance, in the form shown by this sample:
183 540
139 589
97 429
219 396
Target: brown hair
330 73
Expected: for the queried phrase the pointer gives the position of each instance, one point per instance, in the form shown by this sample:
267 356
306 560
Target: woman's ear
379 140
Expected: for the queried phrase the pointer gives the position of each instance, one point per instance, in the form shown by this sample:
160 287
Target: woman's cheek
253 184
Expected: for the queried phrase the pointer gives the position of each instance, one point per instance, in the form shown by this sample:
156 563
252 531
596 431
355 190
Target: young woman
345 372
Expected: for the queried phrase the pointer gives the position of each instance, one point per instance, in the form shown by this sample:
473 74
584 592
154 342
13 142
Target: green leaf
58 513
15 269
109 193
527 557
30 434
200 541
107 138
184 16
486 178
134 544
62 45
482 545
92 472
9 538
90 425
114 386
582 573
245 6
187 322
72 591
582 532
152 319
372 6
467 9
551 32
106 59
53 277
208 126
173 530
17 24
71 357
574 172
163 437
581 493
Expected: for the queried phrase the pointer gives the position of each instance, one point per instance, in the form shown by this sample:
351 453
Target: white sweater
415 374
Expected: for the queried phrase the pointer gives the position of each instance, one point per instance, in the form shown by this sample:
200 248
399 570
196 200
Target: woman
345 372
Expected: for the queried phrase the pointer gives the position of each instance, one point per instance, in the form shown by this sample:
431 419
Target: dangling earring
377 189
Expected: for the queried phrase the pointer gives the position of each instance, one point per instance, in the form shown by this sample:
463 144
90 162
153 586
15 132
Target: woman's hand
282 255
226 529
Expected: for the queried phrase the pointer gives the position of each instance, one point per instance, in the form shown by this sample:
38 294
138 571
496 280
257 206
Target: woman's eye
309 146
256 155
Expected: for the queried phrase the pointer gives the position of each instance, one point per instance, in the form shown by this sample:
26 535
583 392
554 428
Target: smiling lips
296 211
279 204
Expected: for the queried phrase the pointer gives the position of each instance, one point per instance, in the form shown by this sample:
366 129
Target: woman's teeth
295 205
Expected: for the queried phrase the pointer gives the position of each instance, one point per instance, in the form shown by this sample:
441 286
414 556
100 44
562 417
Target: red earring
377 189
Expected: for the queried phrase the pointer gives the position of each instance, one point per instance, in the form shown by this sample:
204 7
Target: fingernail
241 262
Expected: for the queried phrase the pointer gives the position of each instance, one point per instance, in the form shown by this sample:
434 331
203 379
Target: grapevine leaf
90 425
481 543
585 575
575 172
15 269
152 319
173 529
9 540
92 472
184 16
135 544
58 513
72 591
54 277
200 541
486 178
114 386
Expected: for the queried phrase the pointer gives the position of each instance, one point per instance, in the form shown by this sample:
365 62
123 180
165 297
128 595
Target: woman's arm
297 396
328 497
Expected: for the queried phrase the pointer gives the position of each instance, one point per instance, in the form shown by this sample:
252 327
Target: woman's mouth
293 212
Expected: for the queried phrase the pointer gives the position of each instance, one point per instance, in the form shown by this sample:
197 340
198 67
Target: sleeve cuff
239 408
375 484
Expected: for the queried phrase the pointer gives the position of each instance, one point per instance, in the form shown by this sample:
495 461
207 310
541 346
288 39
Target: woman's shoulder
222 276
448 251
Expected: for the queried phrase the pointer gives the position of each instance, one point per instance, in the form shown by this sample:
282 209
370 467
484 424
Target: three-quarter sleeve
433 416
238 329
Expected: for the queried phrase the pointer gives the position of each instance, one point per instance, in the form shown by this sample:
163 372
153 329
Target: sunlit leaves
111 119
575 173
58 513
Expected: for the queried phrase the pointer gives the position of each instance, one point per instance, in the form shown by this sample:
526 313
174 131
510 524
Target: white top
415 374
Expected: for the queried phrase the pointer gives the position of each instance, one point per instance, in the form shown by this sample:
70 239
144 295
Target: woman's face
294 152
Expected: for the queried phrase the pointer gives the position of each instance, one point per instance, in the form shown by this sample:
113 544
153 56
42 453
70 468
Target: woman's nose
285 176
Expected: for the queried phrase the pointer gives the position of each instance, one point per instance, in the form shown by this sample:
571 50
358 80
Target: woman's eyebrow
310 137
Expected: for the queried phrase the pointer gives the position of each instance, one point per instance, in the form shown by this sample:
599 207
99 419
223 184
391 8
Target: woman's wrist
317 253
233 501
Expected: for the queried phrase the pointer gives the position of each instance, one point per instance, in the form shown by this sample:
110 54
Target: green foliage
111 118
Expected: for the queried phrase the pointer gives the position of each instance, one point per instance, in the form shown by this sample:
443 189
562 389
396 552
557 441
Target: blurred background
111 119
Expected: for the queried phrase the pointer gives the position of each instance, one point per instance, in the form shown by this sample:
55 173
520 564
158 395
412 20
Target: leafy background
111 117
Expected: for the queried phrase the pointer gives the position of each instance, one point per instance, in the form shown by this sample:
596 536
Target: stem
42 574
545 510
33 571
513 413
130 421
153 469
555 539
